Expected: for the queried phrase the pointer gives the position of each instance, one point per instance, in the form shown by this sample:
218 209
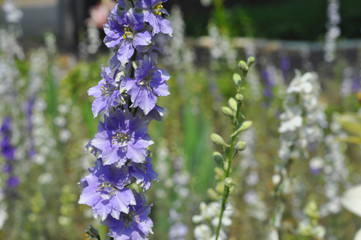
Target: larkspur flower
104 190
148 84
121 137
106 93
135 225
123 33
153 16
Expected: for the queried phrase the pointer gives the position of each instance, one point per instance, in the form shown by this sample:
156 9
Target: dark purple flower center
120 139
130 218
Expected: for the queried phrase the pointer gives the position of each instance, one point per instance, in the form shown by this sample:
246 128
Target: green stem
226 191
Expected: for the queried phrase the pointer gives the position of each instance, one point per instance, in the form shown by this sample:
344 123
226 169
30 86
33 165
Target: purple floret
153 16
122 136
106 93
135 225
123 33
104 189
142 174
148 84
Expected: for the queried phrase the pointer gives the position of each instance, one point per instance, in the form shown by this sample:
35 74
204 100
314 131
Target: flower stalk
239 125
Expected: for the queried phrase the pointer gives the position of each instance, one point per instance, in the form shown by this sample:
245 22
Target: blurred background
50 55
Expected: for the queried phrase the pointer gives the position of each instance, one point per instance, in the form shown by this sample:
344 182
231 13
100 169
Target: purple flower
7 150
104 190
13 182
154 16
148 84
122 137
106 93
142 174
123 34
269 84
135 225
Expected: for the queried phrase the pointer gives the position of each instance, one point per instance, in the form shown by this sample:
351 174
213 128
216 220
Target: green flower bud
228 182
218 158
243 66
250 61
245 126
237 79
241 145
232 104
218 140
227 111
239 97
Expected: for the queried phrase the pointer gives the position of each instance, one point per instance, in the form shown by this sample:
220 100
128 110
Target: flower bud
241 145
245 126
228 182
232 104
250 61
237 79
218 140
227 111
218 158
243 66
239 97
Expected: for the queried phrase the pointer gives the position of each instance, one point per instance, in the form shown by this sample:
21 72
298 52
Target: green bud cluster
228 150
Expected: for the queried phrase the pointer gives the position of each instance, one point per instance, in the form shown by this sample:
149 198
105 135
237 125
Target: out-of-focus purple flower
148 84
356 83
153 16
13 182
7 150
134 225
267 92
285 67
122 137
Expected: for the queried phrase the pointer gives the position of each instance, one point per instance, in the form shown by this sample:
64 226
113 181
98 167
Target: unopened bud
218 140
250 61
227 111
218 158
241 145
237 79
243 66
245 126
232 104
239 97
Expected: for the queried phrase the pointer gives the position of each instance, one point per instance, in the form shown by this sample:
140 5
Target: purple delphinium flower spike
127 95
135 225
148 84
122 137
